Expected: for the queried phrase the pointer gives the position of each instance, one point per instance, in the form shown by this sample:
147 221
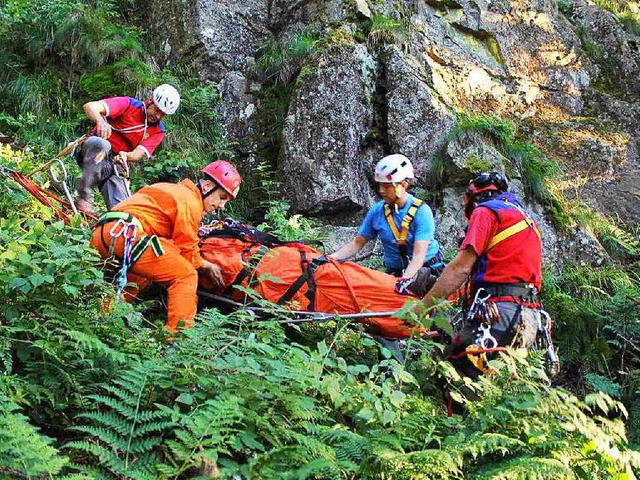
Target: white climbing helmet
166 98
393 169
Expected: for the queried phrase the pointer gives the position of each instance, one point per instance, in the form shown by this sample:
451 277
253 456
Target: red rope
44 196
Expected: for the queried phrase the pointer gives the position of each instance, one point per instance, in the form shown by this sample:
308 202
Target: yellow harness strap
512 230
401 236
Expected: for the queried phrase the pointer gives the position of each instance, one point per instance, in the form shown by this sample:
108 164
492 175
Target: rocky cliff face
387 76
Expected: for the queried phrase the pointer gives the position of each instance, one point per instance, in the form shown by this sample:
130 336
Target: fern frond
487 444
120 436
525 468
420 465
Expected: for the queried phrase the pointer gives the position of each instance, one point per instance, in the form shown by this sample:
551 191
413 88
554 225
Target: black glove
418 285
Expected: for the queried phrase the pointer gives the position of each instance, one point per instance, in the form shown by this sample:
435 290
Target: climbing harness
402 234
127 226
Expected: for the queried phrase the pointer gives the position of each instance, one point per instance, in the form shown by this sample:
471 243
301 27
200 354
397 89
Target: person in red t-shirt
126 131
501 258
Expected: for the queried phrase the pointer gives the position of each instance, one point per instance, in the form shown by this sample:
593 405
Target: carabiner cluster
128 230
479 311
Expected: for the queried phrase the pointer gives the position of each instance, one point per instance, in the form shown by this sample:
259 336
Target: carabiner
478 299
130 231
63 170
118 228
487 340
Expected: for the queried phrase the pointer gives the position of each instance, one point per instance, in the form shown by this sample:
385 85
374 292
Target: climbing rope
62 208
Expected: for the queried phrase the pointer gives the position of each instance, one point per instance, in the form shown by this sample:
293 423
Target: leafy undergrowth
237 397
89 394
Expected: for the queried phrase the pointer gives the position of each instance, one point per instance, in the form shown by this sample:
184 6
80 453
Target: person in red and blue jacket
501 259
126 131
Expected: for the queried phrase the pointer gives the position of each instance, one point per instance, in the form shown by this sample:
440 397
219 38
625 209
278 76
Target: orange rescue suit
173 213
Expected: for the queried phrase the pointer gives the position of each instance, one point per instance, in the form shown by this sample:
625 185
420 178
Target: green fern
205 433
420 465
23 451
525 468
124 433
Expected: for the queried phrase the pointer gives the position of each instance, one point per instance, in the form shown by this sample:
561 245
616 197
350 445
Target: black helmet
481 188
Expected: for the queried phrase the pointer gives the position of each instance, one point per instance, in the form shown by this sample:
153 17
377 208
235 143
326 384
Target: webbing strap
301 280
141 247
401 235
308 277
250 264
513 230
115 215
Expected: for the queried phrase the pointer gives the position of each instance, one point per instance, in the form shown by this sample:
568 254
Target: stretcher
302 279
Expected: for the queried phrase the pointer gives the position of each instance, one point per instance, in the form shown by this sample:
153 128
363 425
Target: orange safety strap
336 264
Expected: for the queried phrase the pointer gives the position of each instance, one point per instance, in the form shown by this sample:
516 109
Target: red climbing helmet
225 175
482 187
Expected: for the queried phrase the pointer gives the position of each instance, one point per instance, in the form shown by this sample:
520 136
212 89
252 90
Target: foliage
237 398
619 240
565 6
240 396
528 160
23 451
279 61
127 425
295 227
281 58
275 105
626 14
387 30
46 44
598 330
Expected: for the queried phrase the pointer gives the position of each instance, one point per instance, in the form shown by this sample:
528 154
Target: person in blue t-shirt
403 223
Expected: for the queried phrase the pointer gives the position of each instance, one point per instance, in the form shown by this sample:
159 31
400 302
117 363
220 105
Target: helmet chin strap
205 195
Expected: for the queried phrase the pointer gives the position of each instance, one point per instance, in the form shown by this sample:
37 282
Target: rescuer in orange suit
155 232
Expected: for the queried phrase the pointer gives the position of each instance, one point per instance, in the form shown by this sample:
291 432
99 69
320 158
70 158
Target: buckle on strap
526 291
116 216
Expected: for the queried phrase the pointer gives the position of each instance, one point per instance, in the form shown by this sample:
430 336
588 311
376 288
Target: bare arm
96 111
452 277
348 250
417 260
131 157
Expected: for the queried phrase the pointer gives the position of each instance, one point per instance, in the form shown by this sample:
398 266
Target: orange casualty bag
300 277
